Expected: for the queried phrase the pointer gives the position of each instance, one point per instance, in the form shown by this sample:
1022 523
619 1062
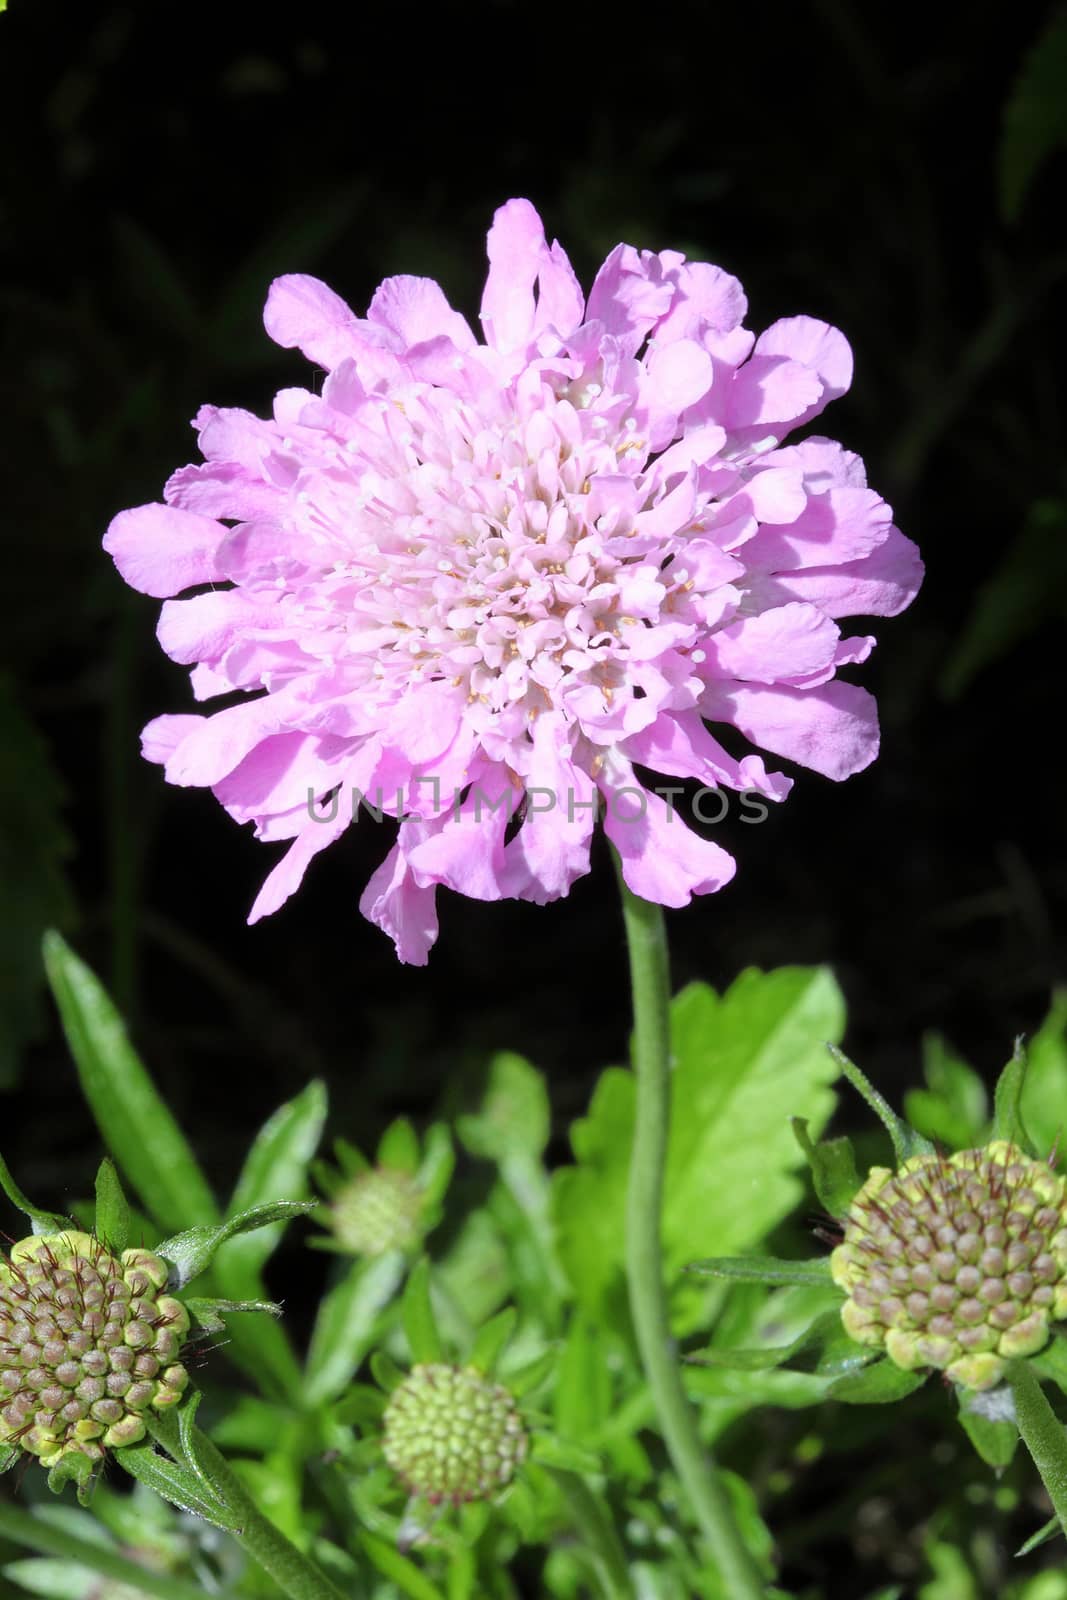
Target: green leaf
743 1063
1035 119
514 1115
994 1437
209 1311
387 1560
583 1390
833 1168
1043 1434
763 1269
435 1168
1043 1098
276 1168
34 846
177 1483
953 1109
191 1252
36 1532
1047 1531
548 1450
876 1385
385 1372
112 1219
140 1132
491 1340
761 1360
416 1310
73 1468
907 1144
40 1221
1007 1102
348 1323
399 1147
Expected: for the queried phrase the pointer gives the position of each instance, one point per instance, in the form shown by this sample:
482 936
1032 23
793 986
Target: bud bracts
958 1263
452 1434
87 1345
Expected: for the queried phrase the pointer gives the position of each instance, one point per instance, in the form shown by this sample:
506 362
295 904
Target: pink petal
416 310
202 628
160 550
217 743
302 313
162 736
222 489
879 585
663 860
679 744
515 245
816 345
770 392
705 297
402 907
841 525
551 849
288 875
832 729
792 641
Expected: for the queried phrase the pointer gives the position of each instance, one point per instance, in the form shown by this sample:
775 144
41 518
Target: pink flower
477 582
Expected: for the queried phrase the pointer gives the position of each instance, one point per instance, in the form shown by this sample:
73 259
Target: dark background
163 163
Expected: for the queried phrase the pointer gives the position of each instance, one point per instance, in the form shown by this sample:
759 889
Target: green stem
1043 1434
292 1571
595 1528
646 937
49 1539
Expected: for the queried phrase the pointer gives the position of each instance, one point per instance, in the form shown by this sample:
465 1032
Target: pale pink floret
477 583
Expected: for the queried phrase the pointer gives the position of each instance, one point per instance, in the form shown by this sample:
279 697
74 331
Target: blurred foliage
1035 119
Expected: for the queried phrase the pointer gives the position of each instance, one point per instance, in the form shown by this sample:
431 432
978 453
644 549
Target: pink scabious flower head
476 582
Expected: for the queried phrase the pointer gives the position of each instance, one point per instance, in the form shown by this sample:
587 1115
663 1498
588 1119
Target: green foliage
744 1063
953 1108
1035 119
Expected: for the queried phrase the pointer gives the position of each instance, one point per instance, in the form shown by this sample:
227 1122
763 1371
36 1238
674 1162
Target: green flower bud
452 1434
376 1211
87 1345
957 1263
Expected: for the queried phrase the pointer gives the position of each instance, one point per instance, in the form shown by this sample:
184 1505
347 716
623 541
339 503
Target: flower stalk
1043 1434
646 938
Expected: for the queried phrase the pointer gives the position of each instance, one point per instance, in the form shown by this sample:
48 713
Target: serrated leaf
876 1385
138 1128
743 1064
417 1315
763 1269
833 1168
112 1217
191 1252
